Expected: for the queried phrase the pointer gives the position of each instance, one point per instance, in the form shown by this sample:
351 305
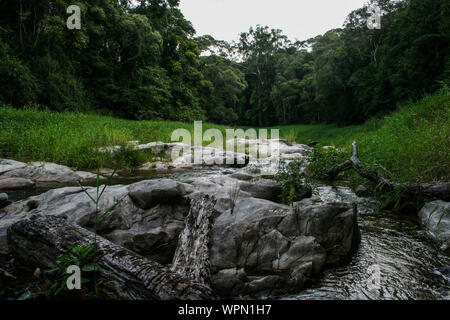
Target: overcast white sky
299 19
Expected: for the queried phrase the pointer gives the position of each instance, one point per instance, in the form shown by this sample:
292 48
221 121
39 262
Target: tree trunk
192 254
418 193
39 240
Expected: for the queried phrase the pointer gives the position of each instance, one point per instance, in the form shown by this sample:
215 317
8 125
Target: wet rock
331 194
435 217
15 183
4 200
3 197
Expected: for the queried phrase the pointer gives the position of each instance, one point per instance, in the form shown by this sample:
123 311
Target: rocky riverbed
258 247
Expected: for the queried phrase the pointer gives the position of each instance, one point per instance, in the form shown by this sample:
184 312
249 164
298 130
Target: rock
435 217
262 248
4 200
41 173
330 194
152 192
148 220
262 189
279 248
220 187
15 183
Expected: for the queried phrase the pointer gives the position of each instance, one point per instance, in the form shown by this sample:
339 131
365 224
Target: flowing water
394 260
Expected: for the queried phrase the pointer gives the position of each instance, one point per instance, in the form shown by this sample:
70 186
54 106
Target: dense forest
144 61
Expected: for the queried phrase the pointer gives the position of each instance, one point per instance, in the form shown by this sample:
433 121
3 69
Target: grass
72 139
412 144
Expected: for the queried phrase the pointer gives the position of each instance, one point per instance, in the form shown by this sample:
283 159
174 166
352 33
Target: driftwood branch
412 191
39 240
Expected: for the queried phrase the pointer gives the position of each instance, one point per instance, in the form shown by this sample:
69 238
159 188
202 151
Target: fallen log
39 240
418 193
192 254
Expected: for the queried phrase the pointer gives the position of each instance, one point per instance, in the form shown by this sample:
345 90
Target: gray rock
331 194
435 217
263 189
4 200
42 173
149 193
140 222
15 183
273 241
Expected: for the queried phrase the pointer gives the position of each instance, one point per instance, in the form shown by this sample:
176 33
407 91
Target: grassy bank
73 139
412 144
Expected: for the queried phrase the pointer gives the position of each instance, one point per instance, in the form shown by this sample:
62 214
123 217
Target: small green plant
392 200
85 256
321 160
81 256
294 182
235 190
290 137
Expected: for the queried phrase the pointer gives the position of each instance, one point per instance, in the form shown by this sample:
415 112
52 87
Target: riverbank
411 144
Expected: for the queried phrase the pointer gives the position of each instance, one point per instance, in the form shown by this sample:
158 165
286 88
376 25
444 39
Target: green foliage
410 145
81 256
140 60
84 256
321 160
290 137
293 181
74 139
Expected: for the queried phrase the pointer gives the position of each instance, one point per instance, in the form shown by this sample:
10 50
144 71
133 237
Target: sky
299 19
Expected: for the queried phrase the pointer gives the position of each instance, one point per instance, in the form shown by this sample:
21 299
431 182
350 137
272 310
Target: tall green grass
410 145
73 139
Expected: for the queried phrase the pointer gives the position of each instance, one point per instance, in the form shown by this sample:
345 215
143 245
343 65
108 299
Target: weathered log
192 254
418 192
38 241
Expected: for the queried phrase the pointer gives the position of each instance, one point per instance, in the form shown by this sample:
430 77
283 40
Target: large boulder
269 248
435 217
148 219
221 186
